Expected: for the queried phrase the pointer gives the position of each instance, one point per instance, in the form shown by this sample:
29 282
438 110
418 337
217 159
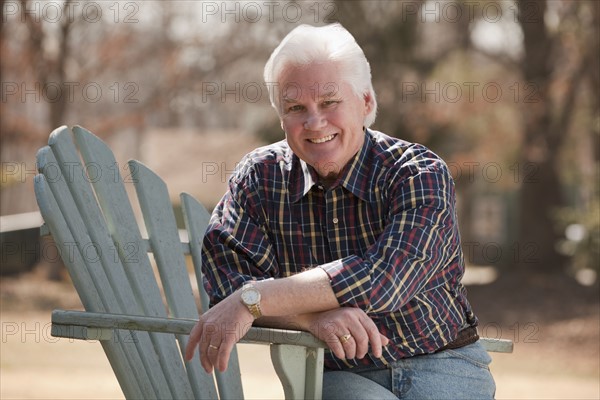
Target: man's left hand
217 331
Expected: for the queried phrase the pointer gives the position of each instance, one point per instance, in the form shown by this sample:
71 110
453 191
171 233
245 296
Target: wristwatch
251 299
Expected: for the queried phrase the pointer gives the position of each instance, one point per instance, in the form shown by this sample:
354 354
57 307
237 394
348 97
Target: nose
314 121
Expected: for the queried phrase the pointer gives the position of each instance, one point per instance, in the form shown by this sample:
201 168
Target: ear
369 103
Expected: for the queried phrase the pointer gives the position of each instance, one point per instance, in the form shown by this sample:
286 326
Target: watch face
251 296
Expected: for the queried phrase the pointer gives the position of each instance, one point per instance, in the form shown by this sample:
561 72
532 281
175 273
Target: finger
208 355
328 333
374 336
212 354
384 340
334 344
224 353
193 341
204 361
349 345
212 351
360 338
209 340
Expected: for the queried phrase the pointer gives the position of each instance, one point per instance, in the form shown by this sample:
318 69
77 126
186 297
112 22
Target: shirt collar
354 177
302 179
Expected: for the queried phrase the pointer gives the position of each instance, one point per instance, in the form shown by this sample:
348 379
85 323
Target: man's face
322 116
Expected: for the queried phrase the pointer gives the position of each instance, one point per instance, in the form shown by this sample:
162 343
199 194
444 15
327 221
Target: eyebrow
327 95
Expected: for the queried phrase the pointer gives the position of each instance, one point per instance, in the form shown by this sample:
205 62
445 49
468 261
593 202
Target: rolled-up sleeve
236 247
418 250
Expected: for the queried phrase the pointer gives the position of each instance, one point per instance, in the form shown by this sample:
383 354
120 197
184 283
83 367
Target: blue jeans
450 374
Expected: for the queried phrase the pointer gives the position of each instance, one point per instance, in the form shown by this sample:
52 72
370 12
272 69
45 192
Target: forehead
311 81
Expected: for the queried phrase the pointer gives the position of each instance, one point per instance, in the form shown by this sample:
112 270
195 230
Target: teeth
322 140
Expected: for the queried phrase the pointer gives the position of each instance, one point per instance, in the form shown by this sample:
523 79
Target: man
358 230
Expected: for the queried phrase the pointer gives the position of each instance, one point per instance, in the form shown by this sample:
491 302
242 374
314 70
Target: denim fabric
451 374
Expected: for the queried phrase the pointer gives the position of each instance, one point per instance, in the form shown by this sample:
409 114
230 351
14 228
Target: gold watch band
255 310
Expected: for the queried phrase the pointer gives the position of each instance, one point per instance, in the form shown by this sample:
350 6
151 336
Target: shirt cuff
350 280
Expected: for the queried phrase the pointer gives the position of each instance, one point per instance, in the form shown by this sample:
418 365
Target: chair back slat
119 353
166 246
55 221
83 200
164 239
196 220
76 203
121 221
91 233
136 278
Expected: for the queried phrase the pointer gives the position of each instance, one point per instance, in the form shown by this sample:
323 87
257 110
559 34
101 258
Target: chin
331 175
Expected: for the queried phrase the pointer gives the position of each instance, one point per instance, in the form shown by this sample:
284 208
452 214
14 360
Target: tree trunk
540 195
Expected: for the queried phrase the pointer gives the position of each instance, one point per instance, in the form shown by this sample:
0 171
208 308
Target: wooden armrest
497 345
72 323
290 362
98 326
297 356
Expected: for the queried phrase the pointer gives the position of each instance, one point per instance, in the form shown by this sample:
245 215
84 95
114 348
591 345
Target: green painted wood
85 220
300 370
136 277
121 222
116 353
79 245
44 230
159 218
315 362
290 365
497 345
196 219
178 326
81 332
99 221
164 239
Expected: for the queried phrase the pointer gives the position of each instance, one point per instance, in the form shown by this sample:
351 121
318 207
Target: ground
553 321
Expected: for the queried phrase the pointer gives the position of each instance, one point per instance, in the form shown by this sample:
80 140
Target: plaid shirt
386 233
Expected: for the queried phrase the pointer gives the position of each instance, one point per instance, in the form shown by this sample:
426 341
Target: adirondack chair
94 226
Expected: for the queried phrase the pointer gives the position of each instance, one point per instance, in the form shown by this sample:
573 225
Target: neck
328 180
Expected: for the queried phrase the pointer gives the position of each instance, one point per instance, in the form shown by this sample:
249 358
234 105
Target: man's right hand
348 332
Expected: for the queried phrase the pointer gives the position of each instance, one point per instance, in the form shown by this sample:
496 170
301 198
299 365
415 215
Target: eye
295 108
329 103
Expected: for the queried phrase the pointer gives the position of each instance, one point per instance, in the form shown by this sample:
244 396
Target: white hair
307 44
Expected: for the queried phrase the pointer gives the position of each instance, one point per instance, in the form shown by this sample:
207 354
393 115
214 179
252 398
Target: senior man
358 231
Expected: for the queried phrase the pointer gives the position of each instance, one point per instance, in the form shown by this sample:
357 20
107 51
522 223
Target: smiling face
322 116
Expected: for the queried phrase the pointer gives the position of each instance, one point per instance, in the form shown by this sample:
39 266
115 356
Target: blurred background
507 92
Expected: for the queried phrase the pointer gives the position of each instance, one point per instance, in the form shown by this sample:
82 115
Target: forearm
291 297
299 322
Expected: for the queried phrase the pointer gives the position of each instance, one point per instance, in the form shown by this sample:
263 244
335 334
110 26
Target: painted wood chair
85 206
86 209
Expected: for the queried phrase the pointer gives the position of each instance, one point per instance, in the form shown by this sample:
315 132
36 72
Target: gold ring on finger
345 338
210 346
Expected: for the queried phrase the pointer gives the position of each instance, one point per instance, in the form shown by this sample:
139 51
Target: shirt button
335 221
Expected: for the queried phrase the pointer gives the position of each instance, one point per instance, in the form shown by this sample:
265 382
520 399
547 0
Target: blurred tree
559 54
169 64
557 62
112 67
62 63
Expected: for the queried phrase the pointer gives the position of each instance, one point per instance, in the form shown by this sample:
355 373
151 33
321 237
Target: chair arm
297 356
100 322
497 345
